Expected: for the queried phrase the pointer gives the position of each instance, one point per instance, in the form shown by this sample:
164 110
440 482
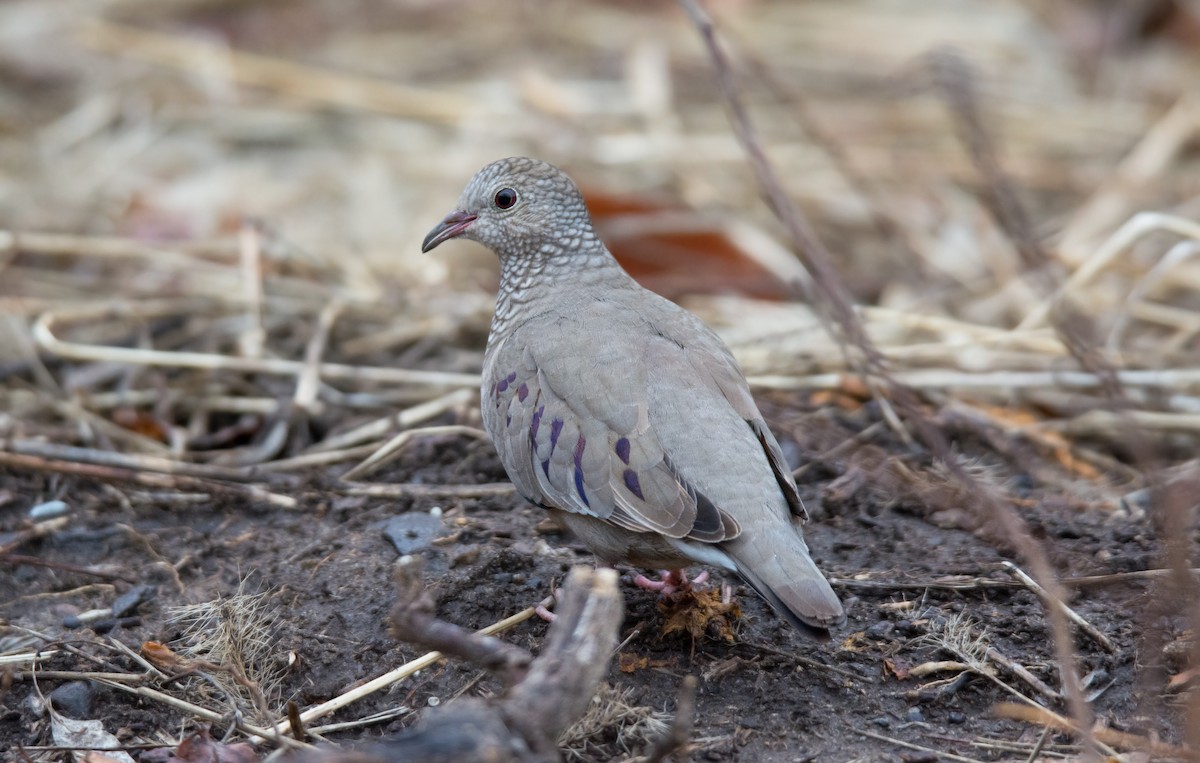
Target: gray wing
711 360
573 430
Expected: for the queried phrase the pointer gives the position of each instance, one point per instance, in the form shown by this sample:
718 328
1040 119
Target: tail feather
780 569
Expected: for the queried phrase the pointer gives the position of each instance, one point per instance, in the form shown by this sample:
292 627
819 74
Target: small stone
412 532
128 602
881 629
955 717
48 510
882 721
74 699
914 715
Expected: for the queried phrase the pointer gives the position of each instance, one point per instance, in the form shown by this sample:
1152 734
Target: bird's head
514 207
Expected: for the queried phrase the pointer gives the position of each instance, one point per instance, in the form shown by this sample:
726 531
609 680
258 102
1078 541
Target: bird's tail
777 565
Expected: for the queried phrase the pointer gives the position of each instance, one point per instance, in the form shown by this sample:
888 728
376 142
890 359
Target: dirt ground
765 694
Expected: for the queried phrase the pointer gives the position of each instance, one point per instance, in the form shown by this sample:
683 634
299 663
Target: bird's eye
505 198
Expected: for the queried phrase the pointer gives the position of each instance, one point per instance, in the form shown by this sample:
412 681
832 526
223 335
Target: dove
622 413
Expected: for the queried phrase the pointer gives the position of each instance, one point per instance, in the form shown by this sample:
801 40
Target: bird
622 413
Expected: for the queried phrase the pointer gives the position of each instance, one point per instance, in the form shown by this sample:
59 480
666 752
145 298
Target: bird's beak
453 226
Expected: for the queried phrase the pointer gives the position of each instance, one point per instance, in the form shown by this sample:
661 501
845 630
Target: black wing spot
711 524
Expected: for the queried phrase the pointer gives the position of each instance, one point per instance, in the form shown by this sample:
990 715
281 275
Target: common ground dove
621 412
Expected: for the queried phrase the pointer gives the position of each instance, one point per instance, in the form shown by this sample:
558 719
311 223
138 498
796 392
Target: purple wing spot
537 421
623 449
631 482
522 392
579 486
555 430
580 444
546 468
511 378
502 386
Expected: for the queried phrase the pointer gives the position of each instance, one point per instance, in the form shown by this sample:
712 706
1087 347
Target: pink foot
670 581
543 610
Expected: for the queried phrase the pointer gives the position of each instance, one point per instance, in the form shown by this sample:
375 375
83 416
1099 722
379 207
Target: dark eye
505 198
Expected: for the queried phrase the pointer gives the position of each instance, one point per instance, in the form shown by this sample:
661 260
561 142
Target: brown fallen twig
173 482
1112 737
545 696
413 621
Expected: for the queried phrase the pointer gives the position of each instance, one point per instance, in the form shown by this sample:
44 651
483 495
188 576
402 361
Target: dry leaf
88 737
696 612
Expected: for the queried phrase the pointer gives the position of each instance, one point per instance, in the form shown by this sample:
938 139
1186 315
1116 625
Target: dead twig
166 481
413 621
1071 614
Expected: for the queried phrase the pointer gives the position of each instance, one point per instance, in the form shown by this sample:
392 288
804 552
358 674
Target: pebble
48 510
955 717
413 531
882 721
128 602
914 715
881 629
74 699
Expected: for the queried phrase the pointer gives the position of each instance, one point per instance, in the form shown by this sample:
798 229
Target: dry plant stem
1037 748
33 561
971 583
39 530
413 621
257 734
1178 379
43 449
886 224
1021 672
400 420
392 447
317 86
1111 737
911 746
1071 614
819 262
429 491
1102 256
846 326
309 383
1112 200
171 482
253 336
953 78
405 670
381 717
44 335
309 460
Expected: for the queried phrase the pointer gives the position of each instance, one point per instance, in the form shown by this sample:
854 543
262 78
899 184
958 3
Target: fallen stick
1071 614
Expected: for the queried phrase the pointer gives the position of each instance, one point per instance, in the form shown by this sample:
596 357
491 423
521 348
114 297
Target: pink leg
670 581
542 610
